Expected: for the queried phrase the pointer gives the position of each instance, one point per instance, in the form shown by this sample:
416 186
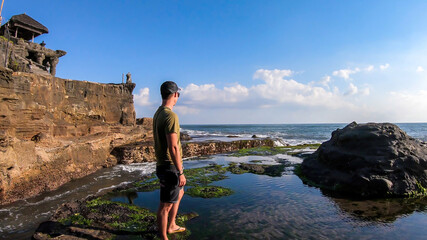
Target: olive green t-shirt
164 122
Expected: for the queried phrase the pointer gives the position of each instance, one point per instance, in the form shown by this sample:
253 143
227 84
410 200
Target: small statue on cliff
128 78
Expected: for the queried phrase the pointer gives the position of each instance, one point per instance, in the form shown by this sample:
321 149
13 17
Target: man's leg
173 213
162 218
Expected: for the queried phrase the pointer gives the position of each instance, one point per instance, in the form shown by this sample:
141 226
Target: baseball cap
169 87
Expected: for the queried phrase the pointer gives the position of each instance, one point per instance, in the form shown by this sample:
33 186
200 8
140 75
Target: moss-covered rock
209 191
113 218
235 168
268 151
205 175
260 169
147 185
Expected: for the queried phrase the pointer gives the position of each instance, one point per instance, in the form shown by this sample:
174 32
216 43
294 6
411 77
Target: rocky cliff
53 130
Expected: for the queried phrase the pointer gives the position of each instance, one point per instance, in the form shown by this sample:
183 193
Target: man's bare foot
177 229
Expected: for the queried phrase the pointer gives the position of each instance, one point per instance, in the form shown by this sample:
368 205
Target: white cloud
366 91
369 68
278 93
185 110
352 90
271 76
345 73
325 81
209 95
142 98
273 92
420 69
385 66
407 106
283 91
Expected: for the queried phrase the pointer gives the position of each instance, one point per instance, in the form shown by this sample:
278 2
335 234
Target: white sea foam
113 186
195 132
144 168
204 135
48 199
289 158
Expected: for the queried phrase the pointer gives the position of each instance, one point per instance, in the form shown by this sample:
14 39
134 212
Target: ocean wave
278 142
281 137
113 187
195 132
220 134
144 168
50 198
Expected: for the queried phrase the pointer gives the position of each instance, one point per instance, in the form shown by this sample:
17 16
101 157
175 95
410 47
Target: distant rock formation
54 130
374 159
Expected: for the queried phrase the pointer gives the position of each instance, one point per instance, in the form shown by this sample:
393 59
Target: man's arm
172 139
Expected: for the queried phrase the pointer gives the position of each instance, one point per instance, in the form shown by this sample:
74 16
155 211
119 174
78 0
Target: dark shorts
169 183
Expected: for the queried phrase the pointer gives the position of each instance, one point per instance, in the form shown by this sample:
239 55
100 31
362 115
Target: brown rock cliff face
53 130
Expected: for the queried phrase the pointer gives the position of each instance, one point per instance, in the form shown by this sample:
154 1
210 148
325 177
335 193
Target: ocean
292 206
292 134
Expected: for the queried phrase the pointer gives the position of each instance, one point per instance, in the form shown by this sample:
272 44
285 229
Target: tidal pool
265 207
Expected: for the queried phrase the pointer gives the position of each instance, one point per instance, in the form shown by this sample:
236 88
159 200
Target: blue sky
249 61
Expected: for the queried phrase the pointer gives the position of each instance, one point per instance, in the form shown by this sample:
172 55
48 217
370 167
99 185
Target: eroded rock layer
54 130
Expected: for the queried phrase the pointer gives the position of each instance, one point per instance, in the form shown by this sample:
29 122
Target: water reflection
381 210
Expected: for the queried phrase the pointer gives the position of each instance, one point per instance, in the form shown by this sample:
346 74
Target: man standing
170 171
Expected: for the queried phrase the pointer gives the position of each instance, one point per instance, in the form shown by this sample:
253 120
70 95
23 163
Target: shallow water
264 207
19 220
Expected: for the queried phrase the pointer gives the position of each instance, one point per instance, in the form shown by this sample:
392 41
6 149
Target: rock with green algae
194 176
98 218
268 150
209 191
205 175
260 169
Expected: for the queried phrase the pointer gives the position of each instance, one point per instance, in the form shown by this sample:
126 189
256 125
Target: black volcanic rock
369 160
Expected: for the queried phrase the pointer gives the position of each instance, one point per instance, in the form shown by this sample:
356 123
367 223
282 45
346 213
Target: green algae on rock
268 151
194 176
235 168
148 185
205 175
209 191
110 219
260 169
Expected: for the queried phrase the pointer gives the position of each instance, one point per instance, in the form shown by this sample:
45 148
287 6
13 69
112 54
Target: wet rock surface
98 218
209 191
369 160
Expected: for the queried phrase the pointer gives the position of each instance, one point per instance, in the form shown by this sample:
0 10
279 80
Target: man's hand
182 180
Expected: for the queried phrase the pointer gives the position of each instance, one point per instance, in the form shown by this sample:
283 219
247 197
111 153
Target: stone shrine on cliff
21 55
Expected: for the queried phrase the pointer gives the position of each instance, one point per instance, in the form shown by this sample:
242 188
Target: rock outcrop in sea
369 160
